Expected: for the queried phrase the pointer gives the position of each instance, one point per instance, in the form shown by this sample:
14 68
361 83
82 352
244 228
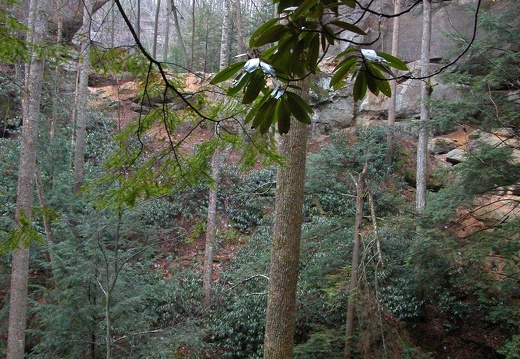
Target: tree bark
82 93
393 83
285 255
224 40
47 222
211 224
176 22
420 198
156 29
113 27
192 55
353 286
211 229
26 175
138 20
166 47
242 44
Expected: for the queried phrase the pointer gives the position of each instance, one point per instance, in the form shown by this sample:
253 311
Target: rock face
448 17
72 16
499 138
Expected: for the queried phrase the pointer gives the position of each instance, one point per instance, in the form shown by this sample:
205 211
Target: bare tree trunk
82 93
242 45
57 73
393 83
285 255
138 24
156 29
353 286
211 229
225 44
179 35
420 198
113 27
26 174
192 58
47 223
166 47
211 224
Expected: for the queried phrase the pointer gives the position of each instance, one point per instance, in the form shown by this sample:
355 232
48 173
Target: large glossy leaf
264 115
299 108
341 71
313 51
297 99
271 34
284 116
320 10
300 114
297 59
382 68
349 3
261 30
384 87
303 8
228 72
269 118
375 79
255 85
258 113
360 86
372 84
329 34
241 81
393 61
347 51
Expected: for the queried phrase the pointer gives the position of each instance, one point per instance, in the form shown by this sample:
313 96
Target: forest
260 179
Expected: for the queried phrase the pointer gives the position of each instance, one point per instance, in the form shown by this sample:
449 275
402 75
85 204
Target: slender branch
388 16
247 280
159 65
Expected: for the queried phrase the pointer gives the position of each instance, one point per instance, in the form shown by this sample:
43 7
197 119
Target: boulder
338 113
456 156
441 145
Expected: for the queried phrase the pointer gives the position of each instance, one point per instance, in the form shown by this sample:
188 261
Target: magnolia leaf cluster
294 44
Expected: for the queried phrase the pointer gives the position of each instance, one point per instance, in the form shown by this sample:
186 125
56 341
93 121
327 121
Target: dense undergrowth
117 279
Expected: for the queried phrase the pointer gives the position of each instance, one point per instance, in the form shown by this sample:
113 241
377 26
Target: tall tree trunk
47 221
179 35
420 198
82 93
192 57
285 255
225 44
242 44
113 27
353 286
166 47
211 224
211 229
138 21
57 74
156 29
393 84
26 175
